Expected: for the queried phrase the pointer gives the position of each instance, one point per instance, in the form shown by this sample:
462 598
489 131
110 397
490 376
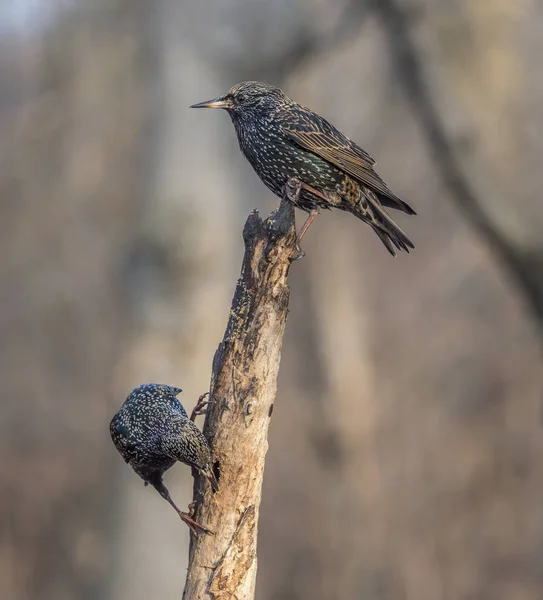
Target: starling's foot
293 187
200 409
195 527
299 253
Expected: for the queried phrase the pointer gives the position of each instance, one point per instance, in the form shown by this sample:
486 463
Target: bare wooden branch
242 394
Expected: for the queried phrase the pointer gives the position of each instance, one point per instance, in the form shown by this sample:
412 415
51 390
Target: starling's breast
276 159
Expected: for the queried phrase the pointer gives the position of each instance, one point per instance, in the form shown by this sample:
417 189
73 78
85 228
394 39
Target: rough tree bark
242 394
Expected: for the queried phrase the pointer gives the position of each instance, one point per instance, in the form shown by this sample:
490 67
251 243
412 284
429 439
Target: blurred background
406 444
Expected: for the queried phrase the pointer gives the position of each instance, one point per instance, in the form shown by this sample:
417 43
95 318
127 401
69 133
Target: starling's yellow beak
221 102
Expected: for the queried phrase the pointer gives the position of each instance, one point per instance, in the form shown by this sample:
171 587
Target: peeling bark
242 394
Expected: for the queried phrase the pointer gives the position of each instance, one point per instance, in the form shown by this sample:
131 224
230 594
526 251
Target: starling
152 431
302 157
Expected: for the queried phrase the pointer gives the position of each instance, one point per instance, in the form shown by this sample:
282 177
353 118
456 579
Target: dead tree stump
242 394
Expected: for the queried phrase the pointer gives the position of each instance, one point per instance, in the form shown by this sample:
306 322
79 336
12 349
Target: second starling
302 157
152 431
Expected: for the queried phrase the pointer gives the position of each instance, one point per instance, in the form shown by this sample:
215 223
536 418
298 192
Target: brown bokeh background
406 444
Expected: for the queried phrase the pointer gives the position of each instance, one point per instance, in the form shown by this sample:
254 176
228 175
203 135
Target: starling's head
248 98
151 396
152 391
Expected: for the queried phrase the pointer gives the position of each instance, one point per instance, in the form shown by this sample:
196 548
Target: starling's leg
312 216
195 527
199 409
292 190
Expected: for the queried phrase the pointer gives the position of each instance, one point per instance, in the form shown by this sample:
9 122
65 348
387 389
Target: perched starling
302 157
152 431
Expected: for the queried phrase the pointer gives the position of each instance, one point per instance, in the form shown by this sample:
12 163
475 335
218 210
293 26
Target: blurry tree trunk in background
70 177
181 268
465 161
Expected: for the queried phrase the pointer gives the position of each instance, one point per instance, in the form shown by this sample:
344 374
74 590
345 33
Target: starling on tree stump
302 157
152 431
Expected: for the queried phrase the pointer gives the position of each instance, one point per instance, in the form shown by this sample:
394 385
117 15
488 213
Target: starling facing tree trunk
302 157
152 432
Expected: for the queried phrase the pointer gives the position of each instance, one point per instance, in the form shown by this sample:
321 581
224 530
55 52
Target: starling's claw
299 253
200 409
195 527
293 187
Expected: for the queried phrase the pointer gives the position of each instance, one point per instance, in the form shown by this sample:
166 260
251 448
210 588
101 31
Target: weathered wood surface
242 395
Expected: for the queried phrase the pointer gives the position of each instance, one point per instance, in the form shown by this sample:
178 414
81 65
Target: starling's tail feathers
390 240
386 229
396 203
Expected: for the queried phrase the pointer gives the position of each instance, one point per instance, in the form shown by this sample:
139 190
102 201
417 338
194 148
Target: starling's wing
181 440
316 134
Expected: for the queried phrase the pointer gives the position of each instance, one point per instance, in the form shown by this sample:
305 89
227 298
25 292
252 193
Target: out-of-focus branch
312 45
525 267
243 388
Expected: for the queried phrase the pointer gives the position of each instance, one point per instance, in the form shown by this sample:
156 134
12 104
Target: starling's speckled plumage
152 432
299 155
